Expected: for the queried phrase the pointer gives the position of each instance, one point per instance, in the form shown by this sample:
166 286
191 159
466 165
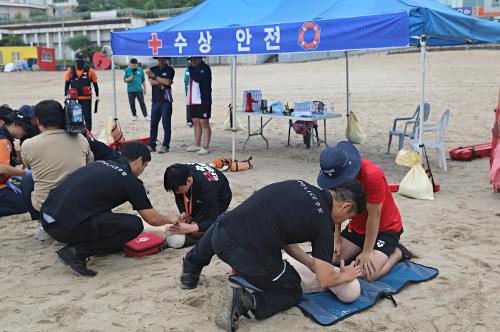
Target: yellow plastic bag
354 133
228 125
416 183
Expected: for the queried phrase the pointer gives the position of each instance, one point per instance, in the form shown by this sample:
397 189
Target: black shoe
233 303
189 280
77 263
407 254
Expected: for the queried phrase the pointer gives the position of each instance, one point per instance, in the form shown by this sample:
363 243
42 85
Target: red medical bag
145 244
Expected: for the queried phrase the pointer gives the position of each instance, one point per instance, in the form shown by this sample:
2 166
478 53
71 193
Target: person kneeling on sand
250 239
78 211
372 236
202 193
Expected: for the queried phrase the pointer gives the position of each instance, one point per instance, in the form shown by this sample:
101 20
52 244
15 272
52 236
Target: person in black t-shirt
161 79
202 193
250 239
78 211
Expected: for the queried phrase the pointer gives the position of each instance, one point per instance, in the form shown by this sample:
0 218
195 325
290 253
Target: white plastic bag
354 133
416 183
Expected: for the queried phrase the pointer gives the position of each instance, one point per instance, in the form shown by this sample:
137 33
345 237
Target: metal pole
348 93
233 103
422 93
115 114
63 44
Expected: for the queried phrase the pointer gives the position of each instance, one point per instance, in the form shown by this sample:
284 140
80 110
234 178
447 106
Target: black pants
101 234
11 203
140 97
87 112
279 282
27 187
188 115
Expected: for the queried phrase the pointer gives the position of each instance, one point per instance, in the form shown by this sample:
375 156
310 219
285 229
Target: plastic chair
411 122
436 143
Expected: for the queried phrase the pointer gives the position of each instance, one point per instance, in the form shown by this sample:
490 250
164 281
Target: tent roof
443 25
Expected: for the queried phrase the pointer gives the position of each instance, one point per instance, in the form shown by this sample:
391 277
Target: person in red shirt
372 237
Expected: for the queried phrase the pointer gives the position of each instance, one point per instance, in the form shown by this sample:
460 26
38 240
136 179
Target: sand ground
457 233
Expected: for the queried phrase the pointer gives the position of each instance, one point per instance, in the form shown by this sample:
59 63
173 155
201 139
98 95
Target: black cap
80 56
20 119
133 60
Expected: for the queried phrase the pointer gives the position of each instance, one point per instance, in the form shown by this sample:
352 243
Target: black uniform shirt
283 213
158 91
209 188
93 189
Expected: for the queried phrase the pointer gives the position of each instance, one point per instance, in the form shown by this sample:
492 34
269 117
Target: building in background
42 57
25 8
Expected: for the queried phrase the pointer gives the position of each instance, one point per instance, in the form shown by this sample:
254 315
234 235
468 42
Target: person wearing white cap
371 237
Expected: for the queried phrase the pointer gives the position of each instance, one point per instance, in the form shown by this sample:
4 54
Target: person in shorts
199 101
372 236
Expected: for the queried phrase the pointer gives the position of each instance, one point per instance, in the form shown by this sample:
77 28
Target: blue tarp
239 27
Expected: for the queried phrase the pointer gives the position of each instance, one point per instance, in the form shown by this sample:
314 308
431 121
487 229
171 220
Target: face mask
80 64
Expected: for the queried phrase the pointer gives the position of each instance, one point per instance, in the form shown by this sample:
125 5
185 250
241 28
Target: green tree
12 41
96 5
83 44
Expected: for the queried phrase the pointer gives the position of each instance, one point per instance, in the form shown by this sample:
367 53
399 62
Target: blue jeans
161 111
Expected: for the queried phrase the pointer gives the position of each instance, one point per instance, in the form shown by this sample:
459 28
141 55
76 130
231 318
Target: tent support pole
348 93
115 113
422 94
233 103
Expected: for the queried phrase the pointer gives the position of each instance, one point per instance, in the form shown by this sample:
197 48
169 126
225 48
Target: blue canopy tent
240 27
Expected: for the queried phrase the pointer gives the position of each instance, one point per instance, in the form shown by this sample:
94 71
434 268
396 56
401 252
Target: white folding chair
435 143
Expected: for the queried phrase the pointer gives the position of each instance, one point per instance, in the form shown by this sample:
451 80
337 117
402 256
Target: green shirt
136 84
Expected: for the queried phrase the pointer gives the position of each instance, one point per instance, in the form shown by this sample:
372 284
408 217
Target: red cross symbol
154 43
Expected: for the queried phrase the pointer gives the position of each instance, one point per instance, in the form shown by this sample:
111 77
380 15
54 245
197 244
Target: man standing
136 88
52 156
372 236
16 126
199 100
250 239
79 82
202 193
161 79
78 211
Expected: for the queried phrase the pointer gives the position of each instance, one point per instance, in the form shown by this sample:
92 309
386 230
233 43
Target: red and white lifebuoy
302 32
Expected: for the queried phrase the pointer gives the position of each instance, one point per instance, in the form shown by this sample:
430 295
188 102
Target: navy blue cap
27 110
338 164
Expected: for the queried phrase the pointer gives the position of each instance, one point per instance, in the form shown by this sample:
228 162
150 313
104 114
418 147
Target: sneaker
189 124
41 234
189 280
233 303
151 149
134 118
147 118
163 149
193 148
203 151
406 254
78 264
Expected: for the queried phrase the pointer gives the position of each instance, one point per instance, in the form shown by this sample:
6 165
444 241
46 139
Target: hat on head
27 110
80 56
161 57
20 119
5 111
338 164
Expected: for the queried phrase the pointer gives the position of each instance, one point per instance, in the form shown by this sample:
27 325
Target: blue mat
326 309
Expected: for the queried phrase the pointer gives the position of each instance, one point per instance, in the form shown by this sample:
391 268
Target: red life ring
302 32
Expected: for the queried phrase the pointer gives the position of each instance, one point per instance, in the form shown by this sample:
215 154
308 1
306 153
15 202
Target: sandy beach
456 233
